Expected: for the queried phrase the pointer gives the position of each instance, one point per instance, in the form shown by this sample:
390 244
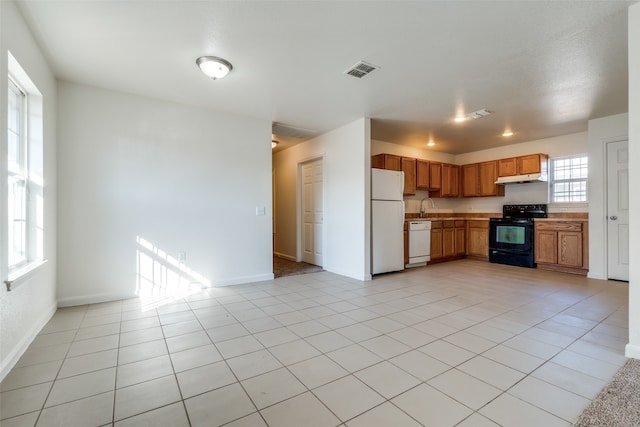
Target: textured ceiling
543 68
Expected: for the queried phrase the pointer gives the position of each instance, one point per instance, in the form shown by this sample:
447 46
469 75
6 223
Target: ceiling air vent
361 69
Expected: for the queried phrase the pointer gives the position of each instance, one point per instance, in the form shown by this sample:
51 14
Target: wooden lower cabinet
478 239
562 246
436 241
447 240
460 233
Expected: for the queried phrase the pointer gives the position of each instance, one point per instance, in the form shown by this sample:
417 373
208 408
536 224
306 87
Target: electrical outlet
260 210
182 256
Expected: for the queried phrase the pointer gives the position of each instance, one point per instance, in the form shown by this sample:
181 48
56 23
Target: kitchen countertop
452 218
563 219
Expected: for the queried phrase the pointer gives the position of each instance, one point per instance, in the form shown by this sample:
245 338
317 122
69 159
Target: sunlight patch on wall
161 278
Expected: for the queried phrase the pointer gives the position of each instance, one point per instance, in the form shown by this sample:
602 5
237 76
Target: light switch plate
260 210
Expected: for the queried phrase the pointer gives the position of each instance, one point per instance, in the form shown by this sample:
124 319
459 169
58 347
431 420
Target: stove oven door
511 241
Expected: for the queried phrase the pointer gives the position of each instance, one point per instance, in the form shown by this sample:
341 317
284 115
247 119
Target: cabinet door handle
613 217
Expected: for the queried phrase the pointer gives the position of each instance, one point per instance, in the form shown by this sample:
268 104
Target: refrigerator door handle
403 214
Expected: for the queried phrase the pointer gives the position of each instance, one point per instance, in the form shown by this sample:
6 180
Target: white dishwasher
419 243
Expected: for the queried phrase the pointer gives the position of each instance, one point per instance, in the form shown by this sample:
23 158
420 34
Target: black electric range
511 238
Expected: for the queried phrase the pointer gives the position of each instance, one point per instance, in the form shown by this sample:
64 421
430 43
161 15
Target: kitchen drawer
459 223
449 223
436 224
559 226
473 223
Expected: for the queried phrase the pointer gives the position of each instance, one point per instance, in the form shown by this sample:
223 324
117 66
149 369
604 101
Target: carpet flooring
618 404
284 267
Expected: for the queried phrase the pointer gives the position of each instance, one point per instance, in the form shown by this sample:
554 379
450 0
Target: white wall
26 309
182 178
601 132
346 161
633 348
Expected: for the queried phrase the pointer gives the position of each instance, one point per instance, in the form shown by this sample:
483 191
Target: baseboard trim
595 276
92 299
358 276
14 355
243 280
285 256
632 351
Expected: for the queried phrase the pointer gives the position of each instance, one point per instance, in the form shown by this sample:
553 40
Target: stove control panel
524 211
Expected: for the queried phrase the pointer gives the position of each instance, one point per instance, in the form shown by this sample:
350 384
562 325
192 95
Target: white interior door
618 210
312 212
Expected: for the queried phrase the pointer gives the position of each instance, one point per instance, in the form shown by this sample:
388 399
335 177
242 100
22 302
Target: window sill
23 273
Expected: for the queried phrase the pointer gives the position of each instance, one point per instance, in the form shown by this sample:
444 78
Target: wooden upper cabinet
479 179
435 176
447 180
449 185
487 176
409 169
422 174
508 167
470 180
386 161
523 165
534 163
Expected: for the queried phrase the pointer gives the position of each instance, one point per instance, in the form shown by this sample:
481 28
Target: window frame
553 179
34 158
16 174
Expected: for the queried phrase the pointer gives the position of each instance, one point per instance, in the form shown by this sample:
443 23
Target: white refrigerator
387 221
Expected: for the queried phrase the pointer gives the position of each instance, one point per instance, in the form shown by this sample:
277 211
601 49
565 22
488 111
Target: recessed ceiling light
274 143
507 133
430 144
214 67
460 119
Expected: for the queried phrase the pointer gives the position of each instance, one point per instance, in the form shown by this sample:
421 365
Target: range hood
519 179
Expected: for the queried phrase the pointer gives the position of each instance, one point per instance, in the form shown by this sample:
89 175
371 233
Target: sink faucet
433 205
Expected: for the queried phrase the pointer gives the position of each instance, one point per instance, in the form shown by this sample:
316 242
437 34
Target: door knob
613 217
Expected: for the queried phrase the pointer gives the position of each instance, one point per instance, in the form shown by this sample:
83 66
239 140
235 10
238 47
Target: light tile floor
465 343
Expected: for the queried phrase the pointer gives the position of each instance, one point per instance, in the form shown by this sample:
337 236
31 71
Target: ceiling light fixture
430 144
274 143
214 67
507 133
